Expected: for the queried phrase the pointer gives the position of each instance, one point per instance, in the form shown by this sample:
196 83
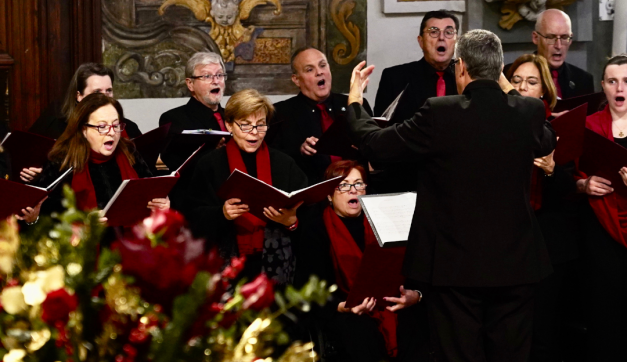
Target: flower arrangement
154 295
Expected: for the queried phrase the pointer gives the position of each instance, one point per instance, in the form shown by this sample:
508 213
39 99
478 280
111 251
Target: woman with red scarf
556 208
606 229
267 244
101 159
333 239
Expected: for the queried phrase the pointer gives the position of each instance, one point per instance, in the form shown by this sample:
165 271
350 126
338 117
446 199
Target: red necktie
218 117
326 121
441 87
557 84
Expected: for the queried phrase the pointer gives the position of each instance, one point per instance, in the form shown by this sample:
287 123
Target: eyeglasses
454 61
210 77
449 32
247 128
552 38
105 128
531 81
359 186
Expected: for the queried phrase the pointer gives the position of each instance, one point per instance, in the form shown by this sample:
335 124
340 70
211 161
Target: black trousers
556 303
482 324
605 294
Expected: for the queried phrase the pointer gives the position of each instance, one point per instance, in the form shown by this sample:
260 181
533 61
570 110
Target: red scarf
249 228
611 209
83 186
537 175
346 257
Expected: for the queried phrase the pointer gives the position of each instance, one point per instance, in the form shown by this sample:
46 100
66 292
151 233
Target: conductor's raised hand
359 81
307 147
595 186
232 209
286 217
407 299
366 306
505 85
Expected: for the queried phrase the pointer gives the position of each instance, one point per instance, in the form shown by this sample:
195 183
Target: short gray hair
202 58
482 53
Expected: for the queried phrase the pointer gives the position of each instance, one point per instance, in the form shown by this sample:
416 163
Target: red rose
237 265
258 294
57 306
166 223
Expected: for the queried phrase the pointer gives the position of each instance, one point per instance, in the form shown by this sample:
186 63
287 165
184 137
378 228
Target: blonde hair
246 102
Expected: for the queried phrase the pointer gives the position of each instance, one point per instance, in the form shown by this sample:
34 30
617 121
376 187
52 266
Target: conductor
474 238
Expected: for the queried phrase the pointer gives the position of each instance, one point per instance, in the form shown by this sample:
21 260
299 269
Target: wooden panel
22 44
48 39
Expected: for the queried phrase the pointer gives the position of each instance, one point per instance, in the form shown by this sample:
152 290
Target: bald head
552 15
553 24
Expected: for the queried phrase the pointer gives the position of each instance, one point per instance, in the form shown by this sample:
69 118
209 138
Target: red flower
57 306
237 265
258 294
167 269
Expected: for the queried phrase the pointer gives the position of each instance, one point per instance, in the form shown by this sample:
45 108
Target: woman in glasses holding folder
552 198
605 246
101 159
267 244
334 236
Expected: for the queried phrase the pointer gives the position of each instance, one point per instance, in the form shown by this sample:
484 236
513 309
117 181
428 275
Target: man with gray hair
205 77
553 35
474 244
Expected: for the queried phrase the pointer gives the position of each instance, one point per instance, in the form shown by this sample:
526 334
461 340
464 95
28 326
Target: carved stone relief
148 42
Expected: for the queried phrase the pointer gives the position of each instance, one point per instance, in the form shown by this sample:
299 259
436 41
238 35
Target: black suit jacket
193 115
421 80
473 225
574 81
298 118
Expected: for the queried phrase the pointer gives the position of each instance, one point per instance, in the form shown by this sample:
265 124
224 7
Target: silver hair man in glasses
553 36
206 80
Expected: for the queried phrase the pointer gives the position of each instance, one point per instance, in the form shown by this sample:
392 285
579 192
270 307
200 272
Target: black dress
605 288
203 210
347 336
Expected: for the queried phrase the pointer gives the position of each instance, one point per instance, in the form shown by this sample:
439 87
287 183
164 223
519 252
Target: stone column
619 43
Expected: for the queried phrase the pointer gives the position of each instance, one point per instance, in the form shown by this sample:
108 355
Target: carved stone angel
225 18
516 10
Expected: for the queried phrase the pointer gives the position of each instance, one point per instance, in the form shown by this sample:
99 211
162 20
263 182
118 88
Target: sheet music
390 215
389 111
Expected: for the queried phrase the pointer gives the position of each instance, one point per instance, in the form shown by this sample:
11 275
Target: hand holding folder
336 142
379 276
16 196
604 158
129 204
259 195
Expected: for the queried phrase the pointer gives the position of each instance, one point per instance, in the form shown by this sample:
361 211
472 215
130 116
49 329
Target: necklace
620 131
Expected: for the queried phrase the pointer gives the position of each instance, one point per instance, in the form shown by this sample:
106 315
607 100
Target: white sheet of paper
391 215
